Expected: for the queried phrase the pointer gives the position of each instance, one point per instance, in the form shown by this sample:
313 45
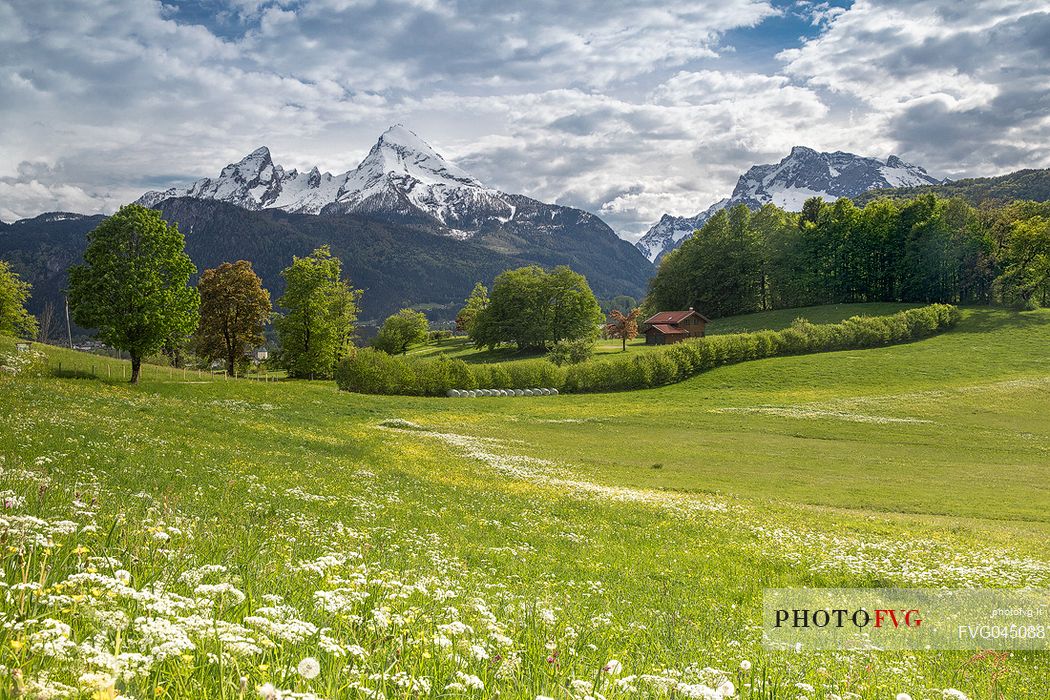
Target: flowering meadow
190 538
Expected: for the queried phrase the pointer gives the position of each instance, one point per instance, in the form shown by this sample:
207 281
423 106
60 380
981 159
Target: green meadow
194 537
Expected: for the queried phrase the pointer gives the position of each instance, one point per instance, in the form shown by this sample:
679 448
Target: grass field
174 538
460 347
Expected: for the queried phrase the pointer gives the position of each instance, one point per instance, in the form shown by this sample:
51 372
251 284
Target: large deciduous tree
14 319
474 305
234 310
133 287
533 309
405 328
1026 278
321 309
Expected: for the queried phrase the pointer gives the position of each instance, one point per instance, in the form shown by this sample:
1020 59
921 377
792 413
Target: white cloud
960 87
628 109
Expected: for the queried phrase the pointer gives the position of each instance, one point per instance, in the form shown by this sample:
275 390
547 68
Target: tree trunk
624 336
136 364
231 362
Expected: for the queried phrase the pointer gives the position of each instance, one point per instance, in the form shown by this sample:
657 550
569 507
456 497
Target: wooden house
669 327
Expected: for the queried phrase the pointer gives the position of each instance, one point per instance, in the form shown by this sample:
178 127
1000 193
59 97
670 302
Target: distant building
261 355
669 327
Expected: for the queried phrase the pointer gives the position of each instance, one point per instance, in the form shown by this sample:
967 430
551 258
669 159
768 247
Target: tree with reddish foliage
623 326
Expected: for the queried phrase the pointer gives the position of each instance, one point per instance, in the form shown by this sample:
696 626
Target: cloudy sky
627 108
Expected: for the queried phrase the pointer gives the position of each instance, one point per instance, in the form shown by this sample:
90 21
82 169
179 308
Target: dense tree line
926 249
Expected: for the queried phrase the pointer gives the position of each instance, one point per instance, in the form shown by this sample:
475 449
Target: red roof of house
674 317
668 330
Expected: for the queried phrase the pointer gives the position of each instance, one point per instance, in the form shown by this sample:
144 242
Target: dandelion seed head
309 668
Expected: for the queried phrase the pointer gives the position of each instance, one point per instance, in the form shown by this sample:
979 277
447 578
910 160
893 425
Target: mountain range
804 173
402 176
412 229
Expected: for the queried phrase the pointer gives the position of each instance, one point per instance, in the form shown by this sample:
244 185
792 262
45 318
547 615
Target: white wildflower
220 593
309 668
52 639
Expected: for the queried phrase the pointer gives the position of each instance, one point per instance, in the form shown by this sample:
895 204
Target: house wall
655 337
694 325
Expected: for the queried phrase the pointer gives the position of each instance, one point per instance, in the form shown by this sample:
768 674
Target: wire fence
100 367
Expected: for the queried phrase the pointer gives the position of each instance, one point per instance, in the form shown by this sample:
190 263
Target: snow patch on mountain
402 175
804 173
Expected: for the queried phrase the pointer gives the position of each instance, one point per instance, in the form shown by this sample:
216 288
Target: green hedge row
369 371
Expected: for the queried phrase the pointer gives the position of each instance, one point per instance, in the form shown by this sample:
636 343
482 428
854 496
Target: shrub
682 360
367 371
571 352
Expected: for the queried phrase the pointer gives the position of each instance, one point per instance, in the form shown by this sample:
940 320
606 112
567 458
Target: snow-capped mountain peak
804 173
402 175
400 151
